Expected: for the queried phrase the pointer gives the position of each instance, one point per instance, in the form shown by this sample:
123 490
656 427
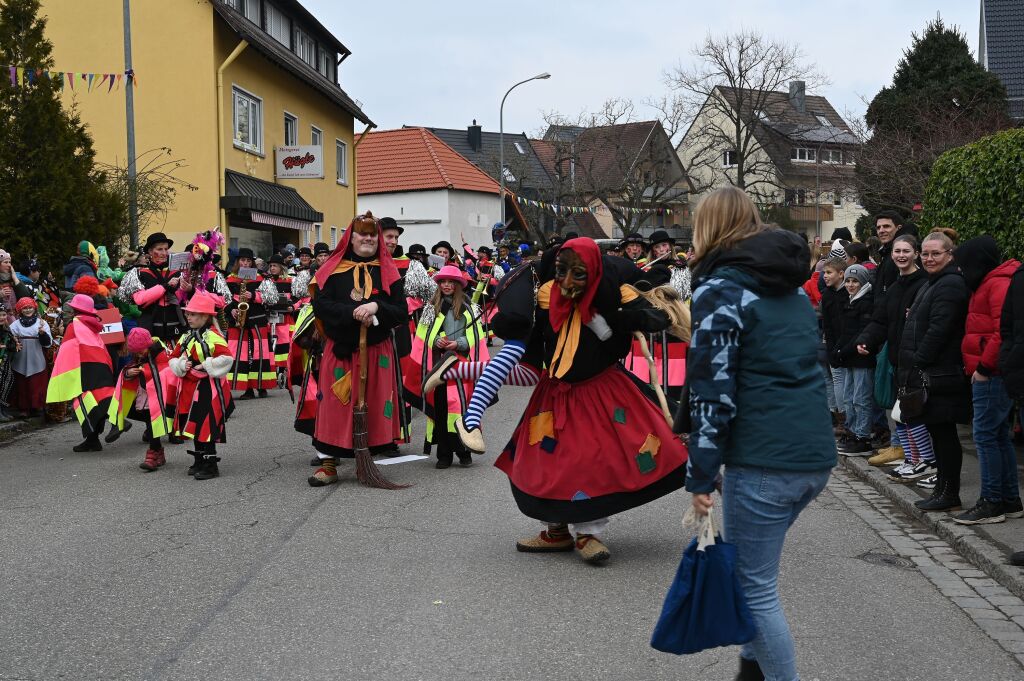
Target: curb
986 554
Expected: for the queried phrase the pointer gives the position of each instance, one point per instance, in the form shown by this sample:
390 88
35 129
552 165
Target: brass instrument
243 311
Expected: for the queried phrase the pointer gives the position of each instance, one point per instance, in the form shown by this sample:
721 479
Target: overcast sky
445 63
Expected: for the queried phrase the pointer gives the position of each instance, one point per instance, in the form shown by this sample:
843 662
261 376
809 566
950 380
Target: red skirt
333 432
29 391
587 450
255 367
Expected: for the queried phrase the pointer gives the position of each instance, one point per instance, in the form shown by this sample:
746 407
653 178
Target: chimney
797 96
474 136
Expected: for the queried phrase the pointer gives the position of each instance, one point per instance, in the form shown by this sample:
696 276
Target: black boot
90 444
147 434
197 462
750 670
262 392
444 456
115 433
248 395
208 467
945 497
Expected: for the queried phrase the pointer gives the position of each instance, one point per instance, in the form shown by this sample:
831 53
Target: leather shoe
473 440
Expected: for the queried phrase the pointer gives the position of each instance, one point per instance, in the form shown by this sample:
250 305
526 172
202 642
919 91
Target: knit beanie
858 272
837 250
139 339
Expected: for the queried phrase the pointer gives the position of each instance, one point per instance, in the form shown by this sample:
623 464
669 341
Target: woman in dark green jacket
757 404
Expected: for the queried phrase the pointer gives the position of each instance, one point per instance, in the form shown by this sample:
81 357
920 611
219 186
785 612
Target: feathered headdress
200 268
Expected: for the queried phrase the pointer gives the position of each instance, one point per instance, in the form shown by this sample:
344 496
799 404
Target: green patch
645 462
388 409
384 361
620 415
338 373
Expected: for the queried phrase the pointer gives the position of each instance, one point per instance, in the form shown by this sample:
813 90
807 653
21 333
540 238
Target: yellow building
224 84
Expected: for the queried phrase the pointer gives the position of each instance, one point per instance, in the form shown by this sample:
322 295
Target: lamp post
501 139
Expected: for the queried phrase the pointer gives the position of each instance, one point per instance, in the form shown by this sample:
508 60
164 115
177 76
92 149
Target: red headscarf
560 306
388 270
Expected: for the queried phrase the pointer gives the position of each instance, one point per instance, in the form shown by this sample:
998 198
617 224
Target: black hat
486 249
661 236
634 238
572 235
389 223
156 238
305 250
445 244
276 259
246 253
320 247
416 249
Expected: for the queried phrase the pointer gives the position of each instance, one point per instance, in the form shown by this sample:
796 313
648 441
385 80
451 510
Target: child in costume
83 372
139 394
33 336
449 326
201 360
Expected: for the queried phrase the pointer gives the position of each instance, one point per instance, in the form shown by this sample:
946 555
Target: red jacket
811 289
980 346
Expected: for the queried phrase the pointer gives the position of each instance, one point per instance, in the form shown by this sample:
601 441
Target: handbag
913 399
705 606
885 382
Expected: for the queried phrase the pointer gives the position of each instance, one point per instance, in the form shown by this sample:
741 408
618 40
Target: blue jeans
992 438
830 390
839 386
860 401
758 507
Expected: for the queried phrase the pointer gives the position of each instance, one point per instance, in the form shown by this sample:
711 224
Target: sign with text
300 162
112 331
179 261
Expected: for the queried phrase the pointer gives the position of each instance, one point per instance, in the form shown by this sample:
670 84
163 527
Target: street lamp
501 139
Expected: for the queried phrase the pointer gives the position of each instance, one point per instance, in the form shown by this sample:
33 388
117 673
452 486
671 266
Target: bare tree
725 97
610 157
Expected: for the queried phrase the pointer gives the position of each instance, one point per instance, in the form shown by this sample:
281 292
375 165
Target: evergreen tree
940 98
51 195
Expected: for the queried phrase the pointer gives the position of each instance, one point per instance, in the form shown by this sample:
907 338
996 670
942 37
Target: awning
276 221
257 196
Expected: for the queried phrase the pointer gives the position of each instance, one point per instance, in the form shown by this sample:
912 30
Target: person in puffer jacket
988 278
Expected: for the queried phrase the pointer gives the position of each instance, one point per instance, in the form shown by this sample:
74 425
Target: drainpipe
220 133
355 194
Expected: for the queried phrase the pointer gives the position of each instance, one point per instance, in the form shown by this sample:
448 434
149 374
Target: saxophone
243 311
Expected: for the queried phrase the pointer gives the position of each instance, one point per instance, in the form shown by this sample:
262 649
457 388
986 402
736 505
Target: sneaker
901 470
887 455
914 471
856 447
1013 508
985 512
929 482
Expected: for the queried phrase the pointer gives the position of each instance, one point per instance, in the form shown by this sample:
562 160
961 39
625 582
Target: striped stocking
493 375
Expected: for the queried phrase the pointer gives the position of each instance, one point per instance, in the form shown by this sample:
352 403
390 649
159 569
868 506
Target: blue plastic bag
705 606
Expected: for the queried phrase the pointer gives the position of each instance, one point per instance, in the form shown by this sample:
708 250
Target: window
341 157
334 237
763 117
325 63
519 148
837 198
316 136
509 177
803 154
251 10
729 158
831 156
796 197
291 130
824 121
278 25
248 121
318 230
305 46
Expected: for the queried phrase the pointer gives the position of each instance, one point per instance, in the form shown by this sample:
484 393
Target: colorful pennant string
560 209
20 76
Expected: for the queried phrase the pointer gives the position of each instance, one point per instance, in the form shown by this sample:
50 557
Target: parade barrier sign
113 331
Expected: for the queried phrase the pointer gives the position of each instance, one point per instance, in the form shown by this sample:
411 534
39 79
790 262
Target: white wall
458 213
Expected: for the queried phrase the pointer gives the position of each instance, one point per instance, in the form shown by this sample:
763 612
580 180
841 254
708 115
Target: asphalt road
111 573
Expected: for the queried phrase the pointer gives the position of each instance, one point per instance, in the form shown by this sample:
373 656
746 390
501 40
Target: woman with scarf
449 328
357 287
584 323
83 373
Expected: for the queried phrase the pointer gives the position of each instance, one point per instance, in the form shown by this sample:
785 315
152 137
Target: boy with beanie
860 369
833 298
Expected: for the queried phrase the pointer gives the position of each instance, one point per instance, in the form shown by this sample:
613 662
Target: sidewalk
987 546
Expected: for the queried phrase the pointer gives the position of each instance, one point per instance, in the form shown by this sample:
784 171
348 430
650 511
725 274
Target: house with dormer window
246 93
798 155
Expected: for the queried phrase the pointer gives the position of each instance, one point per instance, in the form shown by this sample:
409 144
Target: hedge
979 189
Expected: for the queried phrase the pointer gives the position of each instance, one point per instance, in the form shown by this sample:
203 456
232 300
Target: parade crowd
902 337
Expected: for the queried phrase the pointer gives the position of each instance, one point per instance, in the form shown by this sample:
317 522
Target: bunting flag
20 76
597 210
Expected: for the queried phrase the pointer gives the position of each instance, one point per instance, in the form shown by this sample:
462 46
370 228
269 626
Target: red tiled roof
412 159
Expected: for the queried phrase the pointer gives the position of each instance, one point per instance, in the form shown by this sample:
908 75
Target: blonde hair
942 236
723 219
